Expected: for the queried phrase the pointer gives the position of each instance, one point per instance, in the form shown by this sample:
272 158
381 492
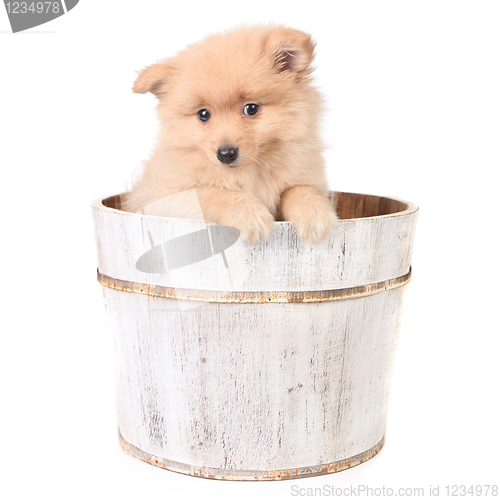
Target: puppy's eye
251 109
204 115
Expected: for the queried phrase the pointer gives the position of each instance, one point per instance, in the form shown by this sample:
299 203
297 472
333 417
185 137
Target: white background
414 112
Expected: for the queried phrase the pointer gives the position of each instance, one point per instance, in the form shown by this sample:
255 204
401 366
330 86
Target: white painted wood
254 386
359 251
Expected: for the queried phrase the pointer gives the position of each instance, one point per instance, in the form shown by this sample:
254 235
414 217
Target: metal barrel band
251 475
253 297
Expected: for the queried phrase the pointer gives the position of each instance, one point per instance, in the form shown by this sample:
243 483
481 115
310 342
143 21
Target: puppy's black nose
227 154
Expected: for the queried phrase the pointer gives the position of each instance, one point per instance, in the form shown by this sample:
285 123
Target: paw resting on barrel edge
254 221
314 223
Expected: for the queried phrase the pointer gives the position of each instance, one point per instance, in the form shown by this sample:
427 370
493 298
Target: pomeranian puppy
239 123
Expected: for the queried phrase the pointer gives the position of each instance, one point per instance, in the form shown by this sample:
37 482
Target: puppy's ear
292 51
154 78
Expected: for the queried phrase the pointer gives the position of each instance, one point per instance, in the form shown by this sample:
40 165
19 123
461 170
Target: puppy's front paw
315 222
253 220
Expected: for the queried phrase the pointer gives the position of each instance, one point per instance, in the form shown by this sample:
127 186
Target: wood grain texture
253 386
359 251
258 386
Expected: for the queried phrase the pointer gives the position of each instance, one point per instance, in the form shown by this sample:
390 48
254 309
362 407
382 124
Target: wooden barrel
255 362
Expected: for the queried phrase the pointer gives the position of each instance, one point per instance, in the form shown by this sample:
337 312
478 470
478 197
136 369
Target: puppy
239 124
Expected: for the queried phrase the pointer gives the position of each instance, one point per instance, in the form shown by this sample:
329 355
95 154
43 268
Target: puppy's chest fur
265 184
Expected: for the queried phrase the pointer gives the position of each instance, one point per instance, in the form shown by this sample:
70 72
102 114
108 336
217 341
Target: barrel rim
410 208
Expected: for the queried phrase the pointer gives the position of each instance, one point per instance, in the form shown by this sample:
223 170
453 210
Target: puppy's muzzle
227 154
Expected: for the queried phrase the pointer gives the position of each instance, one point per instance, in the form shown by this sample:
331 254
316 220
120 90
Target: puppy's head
235 99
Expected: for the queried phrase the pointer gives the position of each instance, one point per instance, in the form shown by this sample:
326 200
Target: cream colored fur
280 171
